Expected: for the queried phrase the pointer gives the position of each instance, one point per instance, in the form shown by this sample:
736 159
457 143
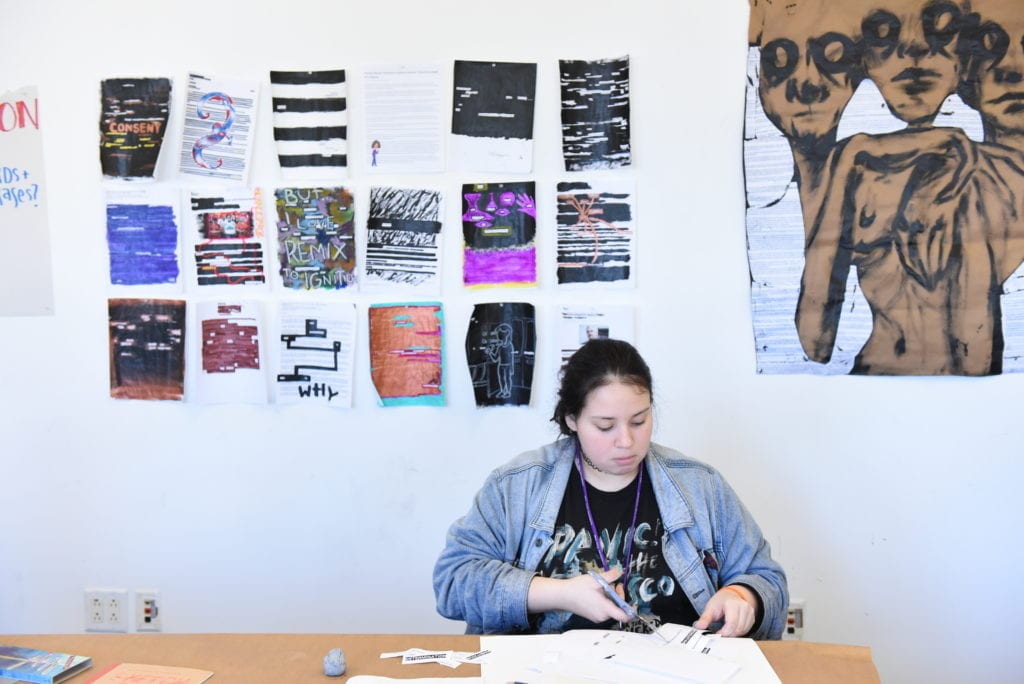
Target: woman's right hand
580 595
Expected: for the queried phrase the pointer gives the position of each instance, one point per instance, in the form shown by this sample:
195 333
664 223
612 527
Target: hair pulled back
597 363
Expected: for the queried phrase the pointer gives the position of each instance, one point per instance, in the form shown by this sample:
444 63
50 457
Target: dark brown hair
595 364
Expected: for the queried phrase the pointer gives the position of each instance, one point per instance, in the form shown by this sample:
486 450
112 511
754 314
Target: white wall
893 503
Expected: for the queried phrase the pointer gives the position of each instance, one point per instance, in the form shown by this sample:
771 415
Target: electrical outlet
147 610
795 620
106 610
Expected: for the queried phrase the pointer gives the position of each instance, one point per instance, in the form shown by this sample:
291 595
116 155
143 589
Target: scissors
610 592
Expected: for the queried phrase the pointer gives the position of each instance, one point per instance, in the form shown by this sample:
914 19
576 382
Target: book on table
21 664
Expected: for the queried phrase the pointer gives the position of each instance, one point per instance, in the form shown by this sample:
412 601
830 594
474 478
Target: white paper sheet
578 324
755 668
609 656
404 125
230 355
220 117
26 278
315 353
373 679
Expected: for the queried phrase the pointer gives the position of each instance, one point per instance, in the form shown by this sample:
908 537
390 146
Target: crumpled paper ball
334 663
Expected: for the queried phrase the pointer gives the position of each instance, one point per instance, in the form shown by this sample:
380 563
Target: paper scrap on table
123 673
452 659
755 668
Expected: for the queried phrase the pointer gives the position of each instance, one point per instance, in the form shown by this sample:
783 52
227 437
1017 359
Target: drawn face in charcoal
997 52
910 54
808 78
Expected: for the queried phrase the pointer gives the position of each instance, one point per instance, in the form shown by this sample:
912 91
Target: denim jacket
491 553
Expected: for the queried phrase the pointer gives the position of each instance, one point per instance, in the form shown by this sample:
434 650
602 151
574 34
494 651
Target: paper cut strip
407 353
147 348
310 122
315 352
499 224
133 120
596 234
403 239
501 347
316 238
595 114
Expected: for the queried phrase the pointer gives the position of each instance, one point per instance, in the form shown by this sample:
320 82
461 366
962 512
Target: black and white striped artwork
310 122
595 113
403 240
596 235
492 116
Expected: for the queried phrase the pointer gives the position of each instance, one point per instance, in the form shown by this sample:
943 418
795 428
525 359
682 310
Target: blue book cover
33 665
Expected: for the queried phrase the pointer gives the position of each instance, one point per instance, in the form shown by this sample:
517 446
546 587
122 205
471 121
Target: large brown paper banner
884 153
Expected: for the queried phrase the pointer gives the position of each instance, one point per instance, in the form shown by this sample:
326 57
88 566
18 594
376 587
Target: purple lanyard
593 527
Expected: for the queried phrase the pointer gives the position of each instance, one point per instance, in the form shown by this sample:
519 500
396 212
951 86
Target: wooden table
277 658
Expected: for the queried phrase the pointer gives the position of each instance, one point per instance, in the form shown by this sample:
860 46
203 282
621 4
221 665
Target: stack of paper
679 654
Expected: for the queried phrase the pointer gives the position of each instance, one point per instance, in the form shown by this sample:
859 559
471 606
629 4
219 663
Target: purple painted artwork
142 238
499 225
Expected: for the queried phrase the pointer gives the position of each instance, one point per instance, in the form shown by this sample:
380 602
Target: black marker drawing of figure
925 214
500 351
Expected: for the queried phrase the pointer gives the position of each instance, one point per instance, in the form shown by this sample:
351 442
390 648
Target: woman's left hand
727 606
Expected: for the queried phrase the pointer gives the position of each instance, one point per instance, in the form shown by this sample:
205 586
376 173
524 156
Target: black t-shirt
652 587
